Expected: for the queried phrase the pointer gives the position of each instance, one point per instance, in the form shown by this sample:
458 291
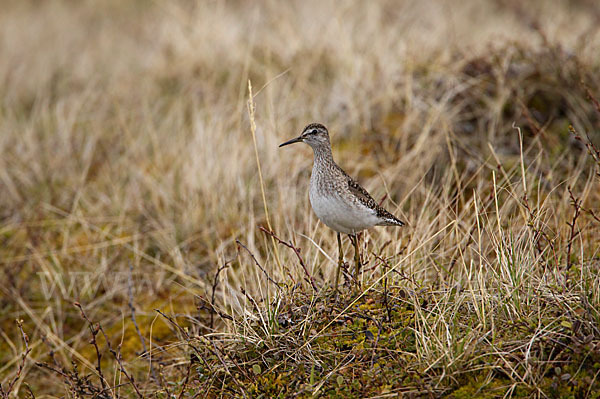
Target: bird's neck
323 154
323 168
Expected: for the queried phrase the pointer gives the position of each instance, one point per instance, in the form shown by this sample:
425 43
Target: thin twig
258 264
186 336
235 380
296 251
385 287
116 355
53 369
176 325
185 382
572 233
94 331
132 310
216 351
214 290
80 385
6 393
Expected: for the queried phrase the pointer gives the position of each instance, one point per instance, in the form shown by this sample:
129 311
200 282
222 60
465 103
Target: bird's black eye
314 131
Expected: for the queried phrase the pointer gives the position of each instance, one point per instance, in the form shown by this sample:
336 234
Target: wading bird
337 199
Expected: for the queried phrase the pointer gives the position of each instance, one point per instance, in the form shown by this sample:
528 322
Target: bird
336 198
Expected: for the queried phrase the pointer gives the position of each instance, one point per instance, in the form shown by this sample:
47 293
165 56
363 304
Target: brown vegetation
143 255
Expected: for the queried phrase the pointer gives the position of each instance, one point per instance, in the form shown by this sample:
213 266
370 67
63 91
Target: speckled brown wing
365 198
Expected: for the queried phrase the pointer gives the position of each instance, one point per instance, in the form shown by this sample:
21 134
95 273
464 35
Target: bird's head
315 135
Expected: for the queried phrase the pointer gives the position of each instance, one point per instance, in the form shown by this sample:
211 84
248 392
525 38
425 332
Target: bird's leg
340 261
354 239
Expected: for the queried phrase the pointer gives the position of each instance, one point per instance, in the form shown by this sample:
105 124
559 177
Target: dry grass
129 184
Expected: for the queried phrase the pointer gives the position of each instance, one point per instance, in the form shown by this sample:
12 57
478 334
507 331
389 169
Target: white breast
339 214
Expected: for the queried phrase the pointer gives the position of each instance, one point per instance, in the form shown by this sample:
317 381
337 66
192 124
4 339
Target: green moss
479 386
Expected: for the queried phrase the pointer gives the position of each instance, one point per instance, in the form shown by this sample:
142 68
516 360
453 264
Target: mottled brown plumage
364 197
338 200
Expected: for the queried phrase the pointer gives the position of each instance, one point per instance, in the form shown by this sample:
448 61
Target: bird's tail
391 220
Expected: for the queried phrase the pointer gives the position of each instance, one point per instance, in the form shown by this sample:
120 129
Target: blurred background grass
127 168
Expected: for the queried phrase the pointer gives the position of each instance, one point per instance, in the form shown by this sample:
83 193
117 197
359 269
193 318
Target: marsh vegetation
145 255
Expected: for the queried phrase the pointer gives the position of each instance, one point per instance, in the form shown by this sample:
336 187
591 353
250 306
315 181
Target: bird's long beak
292 141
